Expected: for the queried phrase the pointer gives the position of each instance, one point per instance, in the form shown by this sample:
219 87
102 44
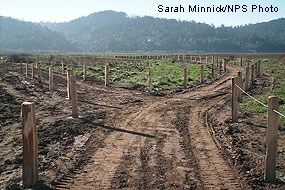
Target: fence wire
258 101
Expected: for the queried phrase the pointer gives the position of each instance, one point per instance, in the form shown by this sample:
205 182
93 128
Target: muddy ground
128 139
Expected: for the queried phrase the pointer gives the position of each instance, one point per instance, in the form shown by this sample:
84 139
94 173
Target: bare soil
127 139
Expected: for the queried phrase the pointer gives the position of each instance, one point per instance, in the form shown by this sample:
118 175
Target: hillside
20 36
110 31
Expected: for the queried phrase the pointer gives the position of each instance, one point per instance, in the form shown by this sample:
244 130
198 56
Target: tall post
33 71
239 83
30 144
234 101
220 67
51 78
27 69
213 70
212 59
258 67
246 81
252 73
62 67
225 65
202 74
21 67
40 73
185 77
271 139
73 95
240 61
107 75
69 72
149 80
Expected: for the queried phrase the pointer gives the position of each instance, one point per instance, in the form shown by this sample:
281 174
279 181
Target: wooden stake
273 83
33 71
185 77
69 72
225 65
220 67
27 69
50 78
40 73
21 67
246 81
202 74
240 61
62 67
107 75
258 68
213 71
30 145
272 129
252 73
73 95
239 83
234 101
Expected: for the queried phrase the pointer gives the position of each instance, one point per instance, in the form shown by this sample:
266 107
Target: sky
66 10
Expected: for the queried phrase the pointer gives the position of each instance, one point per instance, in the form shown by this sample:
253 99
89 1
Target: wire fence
258 100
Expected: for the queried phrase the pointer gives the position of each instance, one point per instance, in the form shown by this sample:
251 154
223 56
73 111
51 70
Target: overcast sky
66 10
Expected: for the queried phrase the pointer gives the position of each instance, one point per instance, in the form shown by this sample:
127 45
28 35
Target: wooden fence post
240 61
271 139
220 67
33 71
62 67
73 95
239 83
27 69
202 74
21 67
213 70
258 67
234 100
225 65
246 81
51 78
69 72
30 144
149 80
107 75
252 73
40 73
185 77
273 83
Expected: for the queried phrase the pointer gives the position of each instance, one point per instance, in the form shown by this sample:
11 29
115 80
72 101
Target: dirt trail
130 140
164 144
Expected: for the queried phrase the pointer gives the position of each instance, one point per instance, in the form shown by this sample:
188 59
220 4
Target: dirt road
127 139
164 144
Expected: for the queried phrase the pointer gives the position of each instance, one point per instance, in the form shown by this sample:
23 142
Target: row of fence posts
272 118
29 128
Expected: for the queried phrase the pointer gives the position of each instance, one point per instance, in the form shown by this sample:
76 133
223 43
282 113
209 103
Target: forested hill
27 37
110 31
